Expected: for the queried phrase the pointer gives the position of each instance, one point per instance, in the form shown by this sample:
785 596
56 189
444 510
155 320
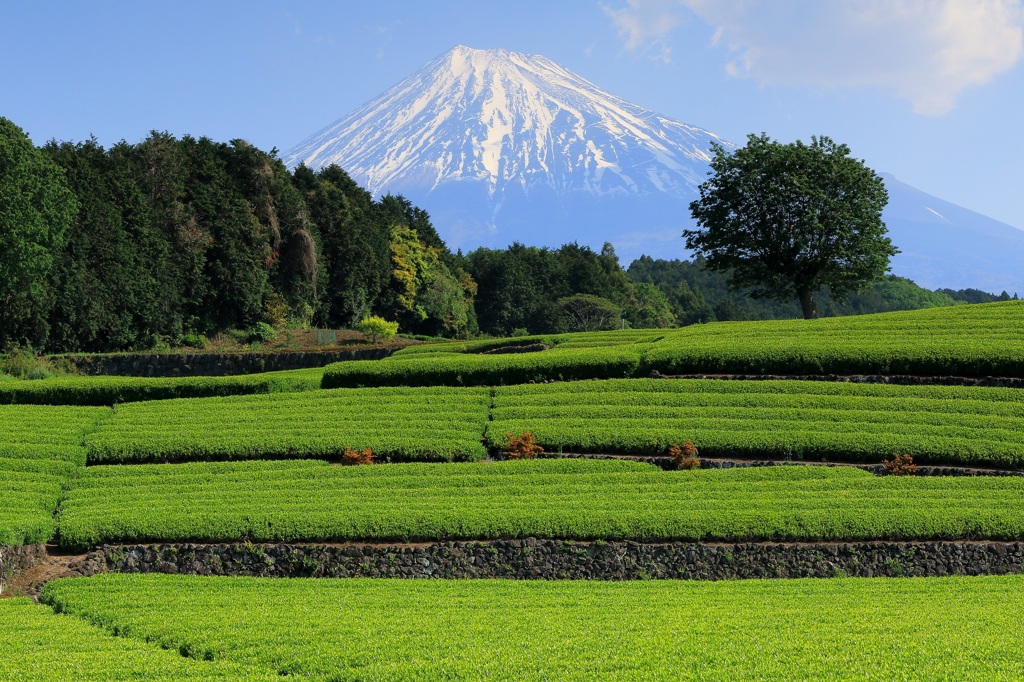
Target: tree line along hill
139 245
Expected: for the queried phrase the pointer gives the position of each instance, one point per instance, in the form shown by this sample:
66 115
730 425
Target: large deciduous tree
792 219
36 207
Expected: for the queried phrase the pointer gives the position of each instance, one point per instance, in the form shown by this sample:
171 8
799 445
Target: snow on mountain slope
508 119
499 147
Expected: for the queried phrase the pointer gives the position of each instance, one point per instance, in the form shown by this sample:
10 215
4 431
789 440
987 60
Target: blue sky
929 90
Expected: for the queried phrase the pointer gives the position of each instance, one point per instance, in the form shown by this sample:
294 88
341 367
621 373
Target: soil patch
53 564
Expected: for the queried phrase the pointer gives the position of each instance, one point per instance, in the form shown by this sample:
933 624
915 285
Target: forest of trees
138 245
174 236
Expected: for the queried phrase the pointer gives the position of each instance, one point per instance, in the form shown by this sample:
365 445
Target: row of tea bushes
30 490
557 498
47 432
42 645
395 423
968 341
111 390
373 629
800 419
469 369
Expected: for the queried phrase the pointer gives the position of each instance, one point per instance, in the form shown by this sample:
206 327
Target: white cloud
646 25
927 51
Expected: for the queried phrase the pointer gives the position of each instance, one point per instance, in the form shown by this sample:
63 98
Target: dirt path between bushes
58 564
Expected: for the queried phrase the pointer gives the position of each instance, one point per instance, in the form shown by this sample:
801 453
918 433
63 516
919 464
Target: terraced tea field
970 341
776 419
566 499
403 424
248 460
841 629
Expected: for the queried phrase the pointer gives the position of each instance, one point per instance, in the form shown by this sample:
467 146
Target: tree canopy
792 219
36 208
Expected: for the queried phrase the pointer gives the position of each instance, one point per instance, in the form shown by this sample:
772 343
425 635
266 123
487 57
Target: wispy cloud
926 51
385 33
646 25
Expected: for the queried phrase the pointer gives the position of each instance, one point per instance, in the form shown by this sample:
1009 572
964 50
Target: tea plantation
99 465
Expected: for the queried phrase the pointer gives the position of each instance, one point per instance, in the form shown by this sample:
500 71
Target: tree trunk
807 303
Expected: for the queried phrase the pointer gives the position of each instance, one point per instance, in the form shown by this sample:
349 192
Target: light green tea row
41 646
973 340
804 420
842 629
400 424
110 390
30 490
571 499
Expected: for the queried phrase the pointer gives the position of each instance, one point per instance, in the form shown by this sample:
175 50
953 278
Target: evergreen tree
36 208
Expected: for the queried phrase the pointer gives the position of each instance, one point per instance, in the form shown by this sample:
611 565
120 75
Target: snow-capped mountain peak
508 119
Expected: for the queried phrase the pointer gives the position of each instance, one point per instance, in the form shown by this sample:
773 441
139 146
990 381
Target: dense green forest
139 245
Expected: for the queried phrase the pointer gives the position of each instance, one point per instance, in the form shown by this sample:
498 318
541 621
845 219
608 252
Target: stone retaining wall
531 558
216 364
16 559
708 463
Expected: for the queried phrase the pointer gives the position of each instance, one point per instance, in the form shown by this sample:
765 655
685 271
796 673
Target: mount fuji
500 146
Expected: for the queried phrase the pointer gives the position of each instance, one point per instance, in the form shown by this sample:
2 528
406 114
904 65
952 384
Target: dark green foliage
586 313
354 244
789 219
36 209
976 296
179 237
173 236
519 287
698 294
648 308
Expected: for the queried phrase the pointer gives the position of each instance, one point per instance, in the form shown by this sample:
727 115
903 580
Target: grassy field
838 629
571 499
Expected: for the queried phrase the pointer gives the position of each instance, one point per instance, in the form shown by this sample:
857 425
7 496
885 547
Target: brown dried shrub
521 446
356 457
684 456
901 465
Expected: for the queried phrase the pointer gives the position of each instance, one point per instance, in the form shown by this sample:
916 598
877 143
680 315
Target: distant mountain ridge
500 146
